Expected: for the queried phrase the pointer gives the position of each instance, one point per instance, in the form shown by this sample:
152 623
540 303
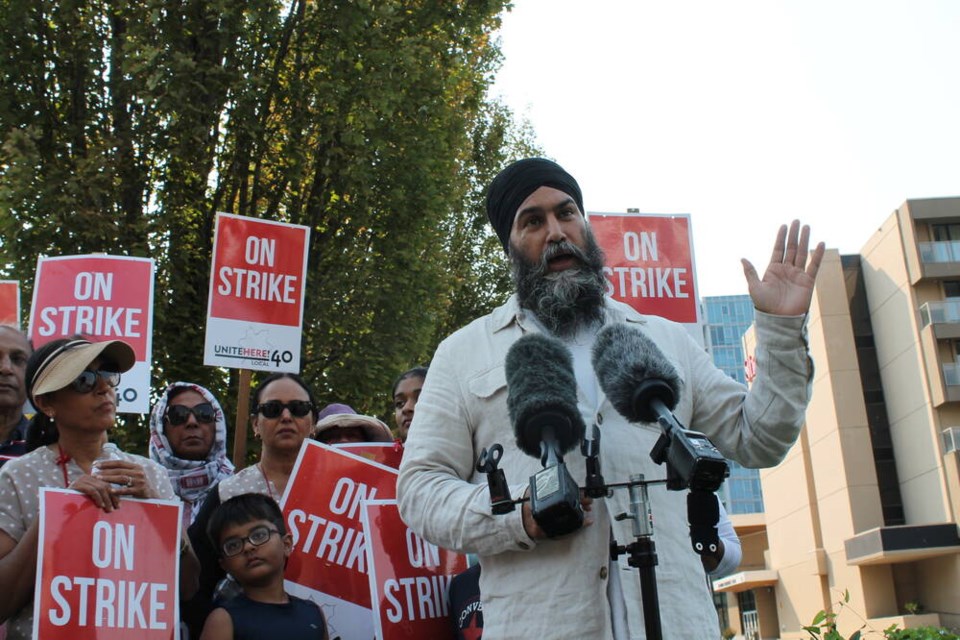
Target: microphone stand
642 553
692 463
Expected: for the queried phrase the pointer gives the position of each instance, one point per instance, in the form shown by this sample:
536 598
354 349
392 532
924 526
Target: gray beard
563 301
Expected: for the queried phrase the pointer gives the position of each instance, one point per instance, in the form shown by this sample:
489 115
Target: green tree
125 125
475 258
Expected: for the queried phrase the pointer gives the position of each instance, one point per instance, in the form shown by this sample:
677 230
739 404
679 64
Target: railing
951 439
940 251
751 625
939 312
951 374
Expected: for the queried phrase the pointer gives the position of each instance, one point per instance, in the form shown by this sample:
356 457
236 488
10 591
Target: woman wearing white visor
72 383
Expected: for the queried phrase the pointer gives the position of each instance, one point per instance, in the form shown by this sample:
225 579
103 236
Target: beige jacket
558 588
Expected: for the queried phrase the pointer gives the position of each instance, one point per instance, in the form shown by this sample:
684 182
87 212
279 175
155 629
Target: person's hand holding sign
72 383
125 478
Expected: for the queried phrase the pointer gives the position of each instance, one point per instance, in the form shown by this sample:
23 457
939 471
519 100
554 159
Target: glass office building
727 319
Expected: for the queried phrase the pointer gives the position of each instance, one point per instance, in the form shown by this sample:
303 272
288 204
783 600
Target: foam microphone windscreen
632 371
541 393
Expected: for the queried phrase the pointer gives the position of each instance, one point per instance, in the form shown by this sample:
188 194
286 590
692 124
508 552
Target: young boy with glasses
249 533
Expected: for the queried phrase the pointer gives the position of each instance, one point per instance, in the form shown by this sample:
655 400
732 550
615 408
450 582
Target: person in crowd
188 437
253 543
14 352
405 393
71 382
536 210
339 424
283 414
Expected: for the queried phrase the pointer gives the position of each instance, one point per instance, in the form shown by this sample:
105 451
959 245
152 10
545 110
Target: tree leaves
126 125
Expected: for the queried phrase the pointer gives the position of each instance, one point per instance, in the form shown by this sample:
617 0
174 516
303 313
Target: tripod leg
643 556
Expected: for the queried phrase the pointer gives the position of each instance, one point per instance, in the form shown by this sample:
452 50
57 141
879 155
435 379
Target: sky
745 114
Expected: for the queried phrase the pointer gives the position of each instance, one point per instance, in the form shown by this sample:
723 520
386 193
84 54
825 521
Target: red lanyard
62 461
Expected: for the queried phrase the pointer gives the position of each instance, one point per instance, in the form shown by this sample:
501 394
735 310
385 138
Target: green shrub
824 627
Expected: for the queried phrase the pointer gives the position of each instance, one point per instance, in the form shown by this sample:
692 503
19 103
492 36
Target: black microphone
643 386
541 400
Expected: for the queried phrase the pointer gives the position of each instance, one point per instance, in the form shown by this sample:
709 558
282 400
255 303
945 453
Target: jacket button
599 418
603 573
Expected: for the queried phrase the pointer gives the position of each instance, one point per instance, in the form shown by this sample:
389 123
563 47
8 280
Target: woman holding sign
283 415
72 384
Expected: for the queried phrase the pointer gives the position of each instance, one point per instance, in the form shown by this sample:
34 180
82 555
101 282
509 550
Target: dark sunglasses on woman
178 414
274 408
87 380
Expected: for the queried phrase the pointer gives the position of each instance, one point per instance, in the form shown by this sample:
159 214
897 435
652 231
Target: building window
723 614
742 491
951 289
945 232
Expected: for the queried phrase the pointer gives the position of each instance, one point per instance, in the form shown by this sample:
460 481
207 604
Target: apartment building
867 502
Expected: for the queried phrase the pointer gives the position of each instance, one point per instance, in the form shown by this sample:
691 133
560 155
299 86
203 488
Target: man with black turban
567 587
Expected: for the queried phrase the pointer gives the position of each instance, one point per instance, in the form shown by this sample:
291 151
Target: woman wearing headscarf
71 382
188 438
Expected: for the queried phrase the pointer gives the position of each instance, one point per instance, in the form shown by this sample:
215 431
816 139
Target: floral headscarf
191 479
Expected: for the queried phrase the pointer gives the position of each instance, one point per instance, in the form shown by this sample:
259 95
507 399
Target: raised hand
787 285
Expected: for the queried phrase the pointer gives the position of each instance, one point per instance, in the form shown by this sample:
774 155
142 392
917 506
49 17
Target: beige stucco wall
826 491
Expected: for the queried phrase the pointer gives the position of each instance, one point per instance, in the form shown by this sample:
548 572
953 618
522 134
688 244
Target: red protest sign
649 262
323 507
103 298
409 577
388 453
259 270
257 285
106 576
10 302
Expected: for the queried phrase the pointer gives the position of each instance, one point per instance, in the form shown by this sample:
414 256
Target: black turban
514 184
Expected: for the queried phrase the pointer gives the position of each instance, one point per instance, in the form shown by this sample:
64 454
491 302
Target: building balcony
951 374
944 316
902 543
940 259
951 384
940 252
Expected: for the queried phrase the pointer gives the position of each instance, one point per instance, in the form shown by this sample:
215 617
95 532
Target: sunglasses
257 536
273 408
87 380
178 414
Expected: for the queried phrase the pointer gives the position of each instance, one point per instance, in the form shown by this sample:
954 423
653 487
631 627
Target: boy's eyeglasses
87 380
273 408
178 414
257 536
